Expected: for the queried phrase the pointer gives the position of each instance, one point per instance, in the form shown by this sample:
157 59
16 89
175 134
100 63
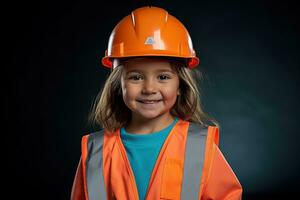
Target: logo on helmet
150 40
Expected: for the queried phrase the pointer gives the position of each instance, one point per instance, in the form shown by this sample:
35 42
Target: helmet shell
150 31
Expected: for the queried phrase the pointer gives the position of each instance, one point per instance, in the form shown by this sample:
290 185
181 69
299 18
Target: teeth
149 102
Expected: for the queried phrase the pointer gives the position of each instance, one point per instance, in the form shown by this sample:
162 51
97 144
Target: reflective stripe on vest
193 164
94 167
194 161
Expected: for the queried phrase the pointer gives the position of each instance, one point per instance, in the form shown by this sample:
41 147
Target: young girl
156 142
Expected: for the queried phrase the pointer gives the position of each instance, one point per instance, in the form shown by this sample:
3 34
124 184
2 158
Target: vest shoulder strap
95 186
199 136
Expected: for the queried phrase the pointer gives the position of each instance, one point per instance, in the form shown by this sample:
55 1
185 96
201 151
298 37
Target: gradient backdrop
250 60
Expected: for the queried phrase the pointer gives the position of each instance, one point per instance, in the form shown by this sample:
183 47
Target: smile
149 101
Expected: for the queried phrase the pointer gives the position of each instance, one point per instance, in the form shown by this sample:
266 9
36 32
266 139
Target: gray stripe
194 159
94 167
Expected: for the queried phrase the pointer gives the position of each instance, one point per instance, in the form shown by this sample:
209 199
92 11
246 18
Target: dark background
250 60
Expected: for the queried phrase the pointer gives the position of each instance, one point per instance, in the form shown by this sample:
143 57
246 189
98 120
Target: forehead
147 64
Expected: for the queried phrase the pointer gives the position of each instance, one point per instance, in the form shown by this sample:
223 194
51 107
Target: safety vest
177 173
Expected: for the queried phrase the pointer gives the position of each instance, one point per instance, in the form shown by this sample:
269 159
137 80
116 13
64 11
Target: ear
178 92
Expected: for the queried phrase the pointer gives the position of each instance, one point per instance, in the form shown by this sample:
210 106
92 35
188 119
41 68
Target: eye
164 77
135 77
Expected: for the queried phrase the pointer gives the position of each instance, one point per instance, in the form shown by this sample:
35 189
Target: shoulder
96 135
211 132
196 128
96 139
92 138
92 143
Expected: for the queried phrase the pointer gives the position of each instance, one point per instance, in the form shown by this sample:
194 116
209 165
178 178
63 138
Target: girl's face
149 87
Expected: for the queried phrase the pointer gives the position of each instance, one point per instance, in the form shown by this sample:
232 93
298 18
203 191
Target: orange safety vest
189 166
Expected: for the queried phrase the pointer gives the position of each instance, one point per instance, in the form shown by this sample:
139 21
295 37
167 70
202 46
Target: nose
149 87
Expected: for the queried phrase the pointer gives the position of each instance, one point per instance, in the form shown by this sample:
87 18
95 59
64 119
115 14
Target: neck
145 126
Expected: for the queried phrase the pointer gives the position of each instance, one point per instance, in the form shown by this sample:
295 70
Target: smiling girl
156 142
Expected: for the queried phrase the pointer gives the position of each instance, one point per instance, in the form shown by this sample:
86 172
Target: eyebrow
159 70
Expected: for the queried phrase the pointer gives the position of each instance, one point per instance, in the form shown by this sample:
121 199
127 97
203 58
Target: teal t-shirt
142 151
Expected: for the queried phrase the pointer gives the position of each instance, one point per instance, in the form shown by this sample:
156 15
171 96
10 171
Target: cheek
124 91
126 97
128 92
170 94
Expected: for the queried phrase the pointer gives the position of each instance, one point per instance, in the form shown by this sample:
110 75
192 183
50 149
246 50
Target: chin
150 115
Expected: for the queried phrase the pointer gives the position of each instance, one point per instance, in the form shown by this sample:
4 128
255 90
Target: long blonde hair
110 112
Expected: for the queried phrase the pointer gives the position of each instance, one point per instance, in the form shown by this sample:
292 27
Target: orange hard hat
150 31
